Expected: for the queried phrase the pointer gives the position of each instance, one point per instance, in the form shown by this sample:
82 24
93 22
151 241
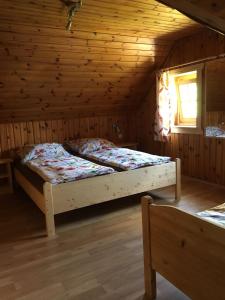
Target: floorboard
98 251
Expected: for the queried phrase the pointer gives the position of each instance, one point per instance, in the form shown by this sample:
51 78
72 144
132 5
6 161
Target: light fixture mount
73 7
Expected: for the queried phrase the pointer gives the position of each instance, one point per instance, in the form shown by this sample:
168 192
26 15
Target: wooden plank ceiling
207 12
101 66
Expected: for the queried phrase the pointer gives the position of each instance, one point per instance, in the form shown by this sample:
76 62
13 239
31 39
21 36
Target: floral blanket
126 159
66 168
215 214
214 131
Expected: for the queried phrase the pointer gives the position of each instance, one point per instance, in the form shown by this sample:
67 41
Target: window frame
192 129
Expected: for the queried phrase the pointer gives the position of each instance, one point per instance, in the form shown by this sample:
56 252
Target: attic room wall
56 84
14 135
201 157
101 66
48 73
95 74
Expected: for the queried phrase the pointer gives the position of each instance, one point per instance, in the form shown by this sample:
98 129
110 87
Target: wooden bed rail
178 179
67 196
185 249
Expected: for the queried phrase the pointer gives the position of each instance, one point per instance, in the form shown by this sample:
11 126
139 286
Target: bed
55 198
188 250
107 153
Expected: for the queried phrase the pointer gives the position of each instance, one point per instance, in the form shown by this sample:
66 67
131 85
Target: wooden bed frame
185 249
72 195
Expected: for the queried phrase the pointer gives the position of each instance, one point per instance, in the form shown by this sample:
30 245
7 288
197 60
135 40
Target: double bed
186 249
54 195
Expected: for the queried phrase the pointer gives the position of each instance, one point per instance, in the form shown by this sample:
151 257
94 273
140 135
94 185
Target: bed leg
49 210
178 180
149 272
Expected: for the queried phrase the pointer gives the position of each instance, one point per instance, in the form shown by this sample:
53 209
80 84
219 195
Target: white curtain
164 114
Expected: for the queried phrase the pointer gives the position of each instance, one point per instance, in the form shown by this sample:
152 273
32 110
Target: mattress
126 159
215 215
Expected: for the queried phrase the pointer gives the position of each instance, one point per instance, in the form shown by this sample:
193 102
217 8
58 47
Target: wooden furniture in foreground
185 249
130 145
72 195
6 184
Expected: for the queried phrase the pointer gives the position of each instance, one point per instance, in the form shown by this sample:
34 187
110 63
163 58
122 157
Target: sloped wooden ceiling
101 66
207 12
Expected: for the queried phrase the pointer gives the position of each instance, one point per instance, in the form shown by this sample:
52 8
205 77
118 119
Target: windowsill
186 129
185 126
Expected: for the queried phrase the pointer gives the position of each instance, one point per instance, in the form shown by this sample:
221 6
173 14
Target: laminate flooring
97 254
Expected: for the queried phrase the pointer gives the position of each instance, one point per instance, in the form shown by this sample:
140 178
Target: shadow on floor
20 219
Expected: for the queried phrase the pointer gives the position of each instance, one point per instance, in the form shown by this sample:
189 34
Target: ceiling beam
197 13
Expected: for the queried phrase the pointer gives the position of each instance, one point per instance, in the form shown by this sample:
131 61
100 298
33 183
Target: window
186 92
185 86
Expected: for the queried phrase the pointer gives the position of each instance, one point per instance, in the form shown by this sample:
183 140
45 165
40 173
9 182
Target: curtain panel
163 116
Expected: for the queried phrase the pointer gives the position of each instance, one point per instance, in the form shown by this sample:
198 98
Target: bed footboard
185 249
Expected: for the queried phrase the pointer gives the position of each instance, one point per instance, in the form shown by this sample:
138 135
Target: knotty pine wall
17 134
56 84
100 66
203 158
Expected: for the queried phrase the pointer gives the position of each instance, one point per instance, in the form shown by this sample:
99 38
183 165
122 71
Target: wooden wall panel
215 118
202 157
100 67
14 135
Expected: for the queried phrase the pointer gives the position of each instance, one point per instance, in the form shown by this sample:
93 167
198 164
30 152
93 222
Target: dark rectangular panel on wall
215 87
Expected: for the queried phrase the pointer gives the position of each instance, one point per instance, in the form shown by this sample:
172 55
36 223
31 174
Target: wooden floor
97 254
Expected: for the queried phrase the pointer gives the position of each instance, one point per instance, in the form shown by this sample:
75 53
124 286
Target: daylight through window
186 95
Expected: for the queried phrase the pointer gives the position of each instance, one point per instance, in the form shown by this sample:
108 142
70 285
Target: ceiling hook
73 8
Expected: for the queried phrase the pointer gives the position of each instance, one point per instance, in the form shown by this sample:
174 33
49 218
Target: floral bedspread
214 131
66 168
126 159
215 214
